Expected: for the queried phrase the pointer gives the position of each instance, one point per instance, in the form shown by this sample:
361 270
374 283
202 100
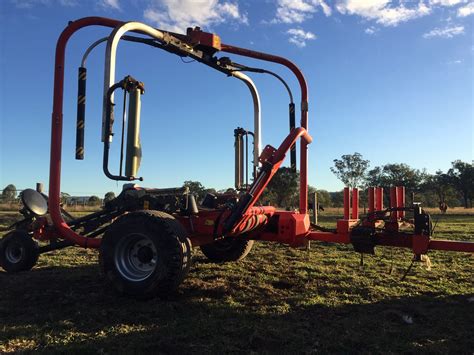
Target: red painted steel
355 203
451 245
393 202
57 130
276 160
304 111
57 122
346 202
418 243
292 228
342 238
401 200
371 193
379 198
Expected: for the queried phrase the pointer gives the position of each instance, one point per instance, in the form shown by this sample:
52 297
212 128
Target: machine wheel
18 252
228 249
145 254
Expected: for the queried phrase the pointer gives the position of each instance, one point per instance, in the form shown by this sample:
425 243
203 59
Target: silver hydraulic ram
110 56
241 163
166 38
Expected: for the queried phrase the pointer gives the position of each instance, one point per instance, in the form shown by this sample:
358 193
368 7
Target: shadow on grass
68 310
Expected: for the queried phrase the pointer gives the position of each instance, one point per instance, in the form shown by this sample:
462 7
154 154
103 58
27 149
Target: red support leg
393 202
379 198
355 203
401 200
347 202
371 193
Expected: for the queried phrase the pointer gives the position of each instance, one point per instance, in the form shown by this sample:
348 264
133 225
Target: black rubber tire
170 243
229 249
18 251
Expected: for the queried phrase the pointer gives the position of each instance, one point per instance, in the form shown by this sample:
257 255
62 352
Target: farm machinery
145 236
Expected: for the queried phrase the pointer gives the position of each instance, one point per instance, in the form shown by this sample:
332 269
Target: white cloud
447 32
177 15
447 2
466 10
297 11
371 30
28 4
384 12
299 37
110 4
326 8
452 62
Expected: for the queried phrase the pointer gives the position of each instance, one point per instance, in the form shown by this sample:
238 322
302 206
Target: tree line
455 187
10 194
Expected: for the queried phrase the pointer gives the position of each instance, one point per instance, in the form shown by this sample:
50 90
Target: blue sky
392 80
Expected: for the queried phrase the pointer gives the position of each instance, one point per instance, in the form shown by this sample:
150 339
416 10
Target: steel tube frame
399 241
237 74
110 56
304 111
257 119
62 228
57 129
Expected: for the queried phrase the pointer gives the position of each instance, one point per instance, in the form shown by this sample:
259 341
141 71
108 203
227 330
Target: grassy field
277 300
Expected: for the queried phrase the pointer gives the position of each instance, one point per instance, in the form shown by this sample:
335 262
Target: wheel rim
14 253
135 257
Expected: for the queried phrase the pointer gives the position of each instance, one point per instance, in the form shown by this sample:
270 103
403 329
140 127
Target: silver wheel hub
14 253
136 257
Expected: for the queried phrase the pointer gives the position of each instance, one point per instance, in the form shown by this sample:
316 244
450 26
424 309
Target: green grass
276 300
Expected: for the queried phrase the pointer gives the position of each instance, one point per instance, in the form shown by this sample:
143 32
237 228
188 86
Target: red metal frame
62 228
304 111
420 244
264 223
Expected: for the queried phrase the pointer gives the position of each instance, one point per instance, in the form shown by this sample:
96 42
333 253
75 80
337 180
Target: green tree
374 177
462 178
351 169
438 188
283 189
394 175
109 196
324 198
196 188
337 198
402 175
9 193
93 201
